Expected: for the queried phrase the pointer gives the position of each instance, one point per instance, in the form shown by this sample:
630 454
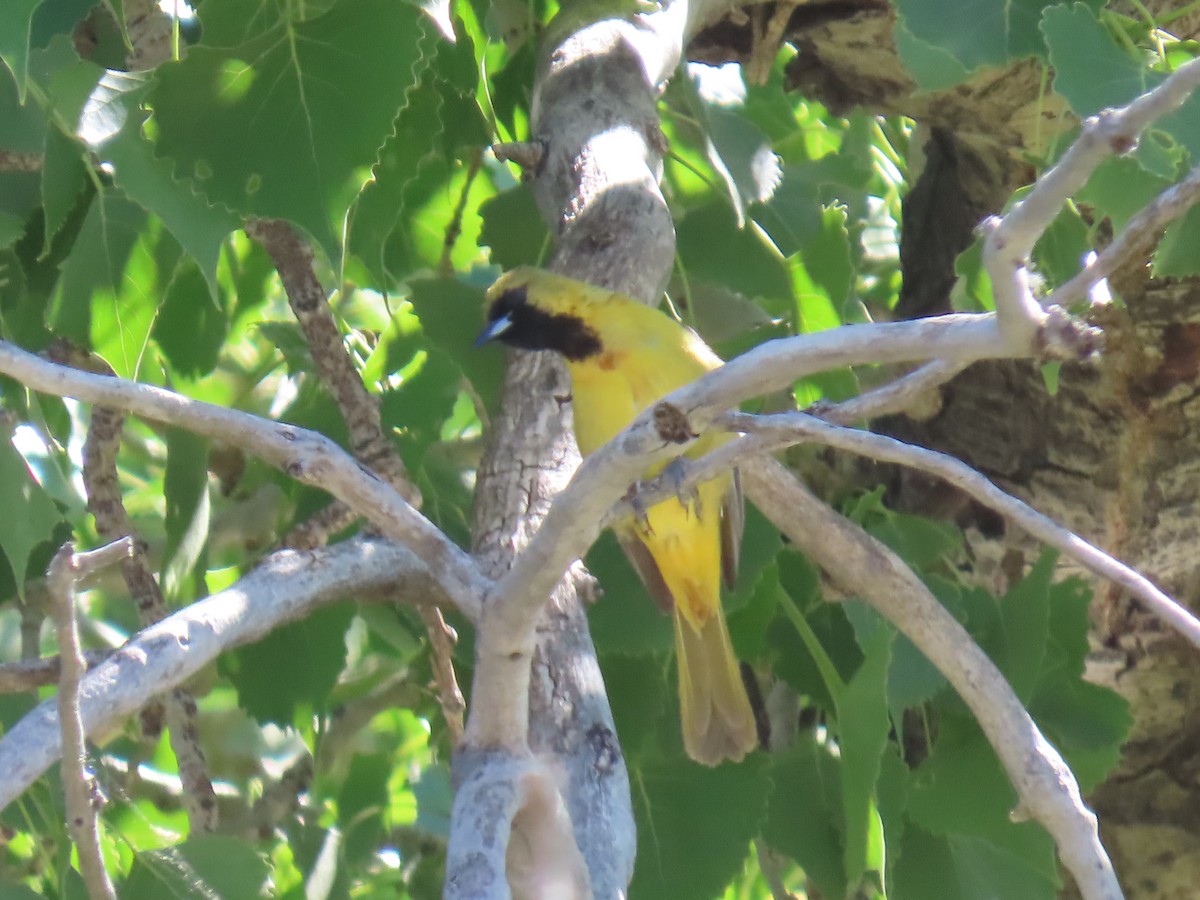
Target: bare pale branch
287 586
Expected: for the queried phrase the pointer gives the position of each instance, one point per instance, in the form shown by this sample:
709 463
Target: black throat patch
536 329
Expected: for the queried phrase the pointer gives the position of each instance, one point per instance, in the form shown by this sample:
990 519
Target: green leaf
191 328
921 542
912 679
822 284
417 408
288 339
892 795
1050 376
933 68
1090 70
625 619
736 149
804 813
1176 255
57 19
361 803
719 314
801 582
185 489
94 272
404 216
124 309
435 799
16 17
263 127
112 125
974 32
1025 610
449 312
1060 250
19 197
66 81
1088 723
22 128
972 292
963 764
960 867
749 624
863 727
794 215
17 892
639 692
513 228
681 807
1120 187
64 177
20 534
303 659
207 865
714 250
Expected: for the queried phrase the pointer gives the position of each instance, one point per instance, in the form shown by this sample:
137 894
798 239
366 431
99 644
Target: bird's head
535 310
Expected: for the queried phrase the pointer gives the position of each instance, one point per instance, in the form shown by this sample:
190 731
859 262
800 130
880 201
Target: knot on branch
672 425
1063 336
529 155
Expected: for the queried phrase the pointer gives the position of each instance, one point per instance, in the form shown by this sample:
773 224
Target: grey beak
493 330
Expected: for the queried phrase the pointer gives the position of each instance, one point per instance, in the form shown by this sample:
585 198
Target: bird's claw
676 472
640 510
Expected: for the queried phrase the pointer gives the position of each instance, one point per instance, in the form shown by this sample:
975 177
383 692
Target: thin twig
1138 234
442 639
293 260
787 428
105 503
79 787
31 674
769 864
317 529
895 396
16 161
1009 241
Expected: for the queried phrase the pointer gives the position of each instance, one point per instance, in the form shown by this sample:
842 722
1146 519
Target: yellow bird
624 356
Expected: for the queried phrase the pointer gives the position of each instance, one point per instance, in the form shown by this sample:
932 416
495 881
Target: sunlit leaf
263 127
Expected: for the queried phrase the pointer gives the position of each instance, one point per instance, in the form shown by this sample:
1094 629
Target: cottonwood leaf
263 126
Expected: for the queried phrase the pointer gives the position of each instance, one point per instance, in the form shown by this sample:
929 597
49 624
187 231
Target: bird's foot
675 472
640 511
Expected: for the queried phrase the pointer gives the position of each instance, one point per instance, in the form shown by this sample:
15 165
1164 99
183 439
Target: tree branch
788 428
305 455
106 505
1138 234
863 566
287 586
293 260
1009 240
82 799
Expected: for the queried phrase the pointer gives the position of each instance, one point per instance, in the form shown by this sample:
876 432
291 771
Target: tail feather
715 713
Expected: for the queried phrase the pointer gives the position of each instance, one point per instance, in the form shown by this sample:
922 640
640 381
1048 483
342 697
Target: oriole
624 356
